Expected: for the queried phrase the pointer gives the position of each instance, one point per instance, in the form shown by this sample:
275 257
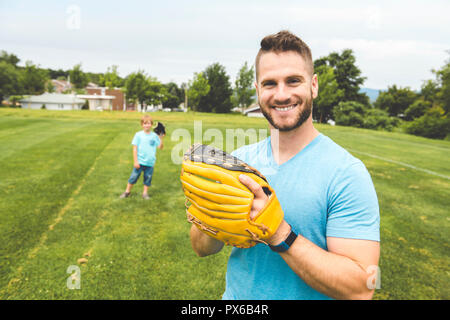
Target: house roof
92 85
53 98
95 96
254 107
62 83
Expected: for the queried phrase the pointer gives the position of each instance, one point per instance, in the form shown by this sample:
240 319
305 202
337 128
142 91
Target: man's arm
203 244
340 273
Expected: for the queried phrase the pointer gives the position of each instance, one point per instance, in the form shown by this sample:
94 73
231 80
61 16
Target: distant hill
371 93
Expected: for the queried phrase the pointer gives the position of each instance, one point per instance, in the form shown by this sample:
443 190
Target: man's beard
302 116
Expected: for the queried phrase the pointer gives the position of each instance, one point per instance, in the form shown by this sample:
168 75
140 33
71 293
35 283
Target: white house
53 101
253 111
97 101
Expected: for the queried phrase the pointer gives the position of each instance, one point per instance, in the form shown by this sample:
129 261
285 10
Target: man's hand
137 165
260 199
204 245
259 202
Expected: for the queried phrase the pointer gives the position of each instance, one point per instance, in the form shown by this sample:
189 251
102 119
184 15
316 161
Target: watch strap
286 244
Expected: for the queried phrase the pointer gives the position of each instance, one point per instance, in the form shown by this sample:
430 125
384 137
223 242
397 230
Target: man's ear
256 87
314 86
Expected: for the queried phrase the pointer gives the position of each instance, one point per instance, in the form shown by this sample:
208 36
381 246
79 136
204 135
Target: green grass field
61 174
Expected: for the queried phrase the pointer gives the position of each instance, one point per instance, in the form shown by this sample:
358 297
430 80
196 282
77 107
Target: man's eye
295 80
268 84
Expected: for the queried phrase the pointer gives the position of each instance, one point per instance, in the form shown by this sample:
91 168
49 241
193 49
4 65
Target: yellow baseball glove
220 204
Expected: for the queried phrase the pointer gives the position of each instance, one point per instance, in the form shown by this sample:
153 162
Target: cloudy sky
395 42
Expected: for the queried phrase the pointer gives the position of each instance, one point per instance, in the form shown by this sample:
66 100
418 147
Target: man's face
285 88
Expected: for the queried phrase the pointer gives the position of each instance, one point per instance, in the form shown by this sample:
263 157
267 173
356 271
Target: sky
394 42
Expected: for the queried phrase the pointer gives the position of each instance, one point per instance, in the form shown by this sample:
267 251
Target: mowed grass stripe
42 188
9 126
30 134
46 267
371 142
402 164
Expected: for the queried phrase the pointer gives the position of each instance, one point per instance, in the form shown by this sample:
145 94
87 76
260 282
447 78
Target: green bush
379 119
433 124
349 113
417 109
355 114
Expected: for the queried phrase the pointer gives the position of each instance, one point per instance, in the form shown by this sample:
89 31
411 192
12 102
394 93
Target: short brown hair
146 118
281 42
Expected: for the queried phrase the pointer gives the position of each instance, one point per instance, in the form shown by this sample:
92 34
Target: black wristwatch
286 244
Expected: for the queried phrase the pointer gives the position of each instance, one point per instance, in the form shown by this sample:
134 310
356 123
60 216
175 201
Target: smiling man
328 243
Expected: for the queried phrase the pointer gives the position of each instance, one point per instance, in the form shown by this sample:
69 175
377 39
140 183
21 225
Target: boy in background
144 144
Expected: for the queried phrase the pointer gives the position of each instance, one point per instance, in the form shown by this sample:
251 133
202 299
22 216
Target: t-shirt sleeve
136 139
353 210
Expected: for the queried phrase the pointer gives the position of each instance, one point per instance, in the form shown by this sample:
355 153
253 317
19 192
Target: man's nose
282 95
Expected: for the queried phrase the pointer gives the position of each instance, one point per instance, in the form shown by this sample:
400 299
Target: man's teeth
286 108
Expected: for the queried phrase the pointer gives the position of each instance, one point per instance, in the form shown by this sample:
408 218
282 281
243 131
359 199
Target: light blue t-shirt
324 192
146 147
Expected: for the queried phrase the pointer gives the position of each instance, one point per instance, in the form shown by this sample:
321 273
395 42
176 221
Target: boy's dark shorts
148 174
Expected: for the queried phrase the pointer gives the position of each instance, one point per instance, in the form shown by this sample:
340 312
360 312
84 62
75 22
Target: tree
58 74
198 87
11 59
144 89
78 77
443 80
174 95
329 94
395 100
34 79
348 75
111 78
136 87
428 90
244 90
10 80
155 93
218 99
49 87
430 112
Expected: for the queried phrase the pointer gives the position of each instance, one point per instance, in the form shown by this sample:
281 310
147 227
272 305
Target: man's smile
285 108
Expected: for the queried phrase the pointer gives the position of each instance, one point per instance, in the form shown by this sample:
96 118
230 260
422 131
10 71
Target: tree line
340 99
208 91
423 113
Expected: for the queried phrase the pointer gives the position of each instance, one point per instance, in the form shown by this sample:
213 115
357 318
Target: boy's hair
146 118
284 41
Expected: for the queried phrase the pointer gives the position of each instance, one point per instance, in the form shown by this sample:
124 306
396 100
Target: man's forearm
334 275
